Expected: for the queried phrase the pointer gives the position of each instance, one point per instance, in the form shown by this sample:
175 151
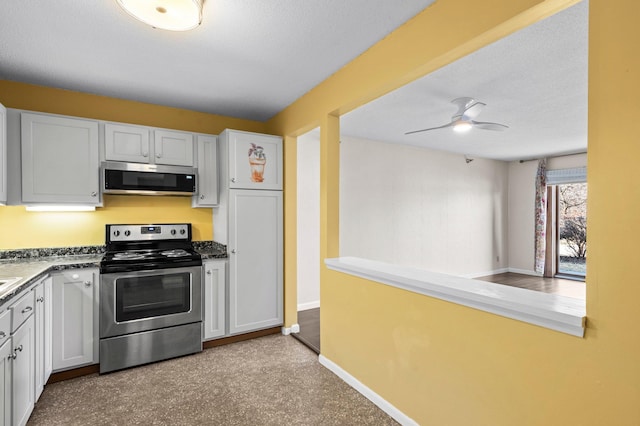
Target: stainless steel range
150 295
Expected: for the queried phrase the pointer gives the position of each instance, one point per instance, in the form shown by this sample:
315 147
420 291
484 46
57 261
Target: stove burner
147 247
175 253
129 255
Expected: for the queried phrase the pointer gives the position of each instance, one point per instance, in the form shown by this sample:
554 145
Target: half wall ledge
559 313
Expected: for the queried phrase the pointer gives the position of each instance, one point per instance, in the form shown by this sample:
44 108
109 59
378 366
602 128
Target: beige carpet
272 380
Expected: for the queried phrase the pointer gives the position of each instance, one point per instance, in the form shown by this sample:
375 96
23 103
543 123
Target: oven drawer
21 310
149 346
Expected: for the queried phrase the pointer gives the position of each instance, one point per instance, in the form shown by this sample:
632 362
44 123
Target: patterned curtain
541 215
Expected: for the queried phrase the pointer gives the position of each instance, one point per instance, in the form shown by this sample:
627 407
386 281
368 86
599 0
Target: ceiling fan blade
489 126
468 108
430 128
472 111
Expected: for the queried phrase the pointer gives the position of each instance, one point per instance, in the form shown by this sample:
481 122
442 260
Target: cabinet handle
19 349
2 334
209 272
158 155
94 193
87 283
233 180
27 309
202 197
233 251
40 299
14 356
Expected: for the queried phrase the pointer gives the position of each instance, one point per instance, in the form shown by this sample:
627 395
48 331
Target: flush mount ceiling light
173 15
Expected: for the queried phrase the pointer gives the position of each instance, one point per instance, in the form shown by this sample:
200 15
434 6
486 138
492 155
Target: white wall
521 231
309 220
422 208
522 190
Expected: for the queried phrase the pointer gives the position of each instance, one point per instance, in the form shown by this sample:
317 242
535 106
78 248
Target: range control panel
166 231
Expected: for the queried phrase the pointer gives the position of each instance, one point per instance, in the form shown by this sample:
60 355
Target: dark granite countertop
33 264
31 269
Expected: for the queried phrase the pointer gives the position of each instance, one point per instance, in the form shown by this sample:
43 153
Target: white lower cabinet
23 358
23 382
214 299
75 321
43 304
6 364
255 260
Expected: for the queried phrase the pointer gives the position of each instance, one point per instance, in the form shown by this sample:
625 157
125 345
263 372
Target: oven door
137 301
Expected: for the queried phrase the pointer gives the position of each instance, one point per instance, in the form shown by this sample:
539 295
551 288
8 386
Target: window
568 195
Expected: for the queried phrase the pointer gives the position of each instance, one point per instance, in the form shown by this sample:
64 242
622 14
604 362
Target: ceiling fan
463 120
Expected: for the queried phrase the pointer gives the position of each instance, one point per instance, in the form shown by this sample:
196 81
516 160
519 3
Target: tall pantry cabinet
249 222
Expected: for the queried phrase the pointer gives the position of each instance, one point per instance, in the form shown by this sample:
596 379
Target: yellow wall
444 364
21 229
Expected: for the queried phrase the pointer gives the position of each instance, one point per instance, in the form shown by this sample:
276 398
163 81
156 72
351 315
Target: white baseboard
525 272
382 403
308 305
295 328
484 274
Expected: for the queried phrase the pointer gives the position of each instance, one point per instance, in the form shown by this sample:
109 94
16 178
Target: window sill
559 313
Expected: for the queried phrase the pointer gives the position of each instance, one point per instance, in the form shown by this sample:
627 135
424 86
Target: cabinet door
48 328
207 162
73 318
40 330
214 301
255 160
126 143
43 334
6 364
23 372
173 148
255 260
60 162
3 154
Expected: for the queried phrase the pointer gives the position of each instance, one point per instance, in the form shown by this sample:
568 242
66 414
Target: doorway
308 239
571 241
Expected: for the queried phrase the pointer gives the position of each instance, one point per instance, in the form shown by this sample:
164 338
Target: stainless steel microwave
147 179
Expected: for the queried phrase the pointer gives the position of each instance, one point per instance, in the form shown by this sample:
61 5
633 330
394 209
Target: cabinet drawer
5 326
21 310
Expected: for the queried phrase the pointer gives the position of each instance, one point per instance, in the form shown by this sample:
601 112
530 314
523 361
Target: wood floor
563 287
309 334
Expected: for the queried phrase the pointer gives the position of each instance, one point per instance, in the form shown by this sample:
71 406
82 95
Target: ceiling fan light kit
463 120
172 15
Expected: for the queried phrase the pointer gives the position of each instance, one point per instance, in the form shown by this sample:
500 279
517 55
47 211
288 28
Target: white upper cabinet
140 144
173 148
60 160
253 160
123 142
3 155
207 164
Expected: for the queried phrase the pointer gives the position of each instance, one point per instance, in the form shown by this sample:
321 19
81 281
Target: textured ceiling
248 59
534 81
